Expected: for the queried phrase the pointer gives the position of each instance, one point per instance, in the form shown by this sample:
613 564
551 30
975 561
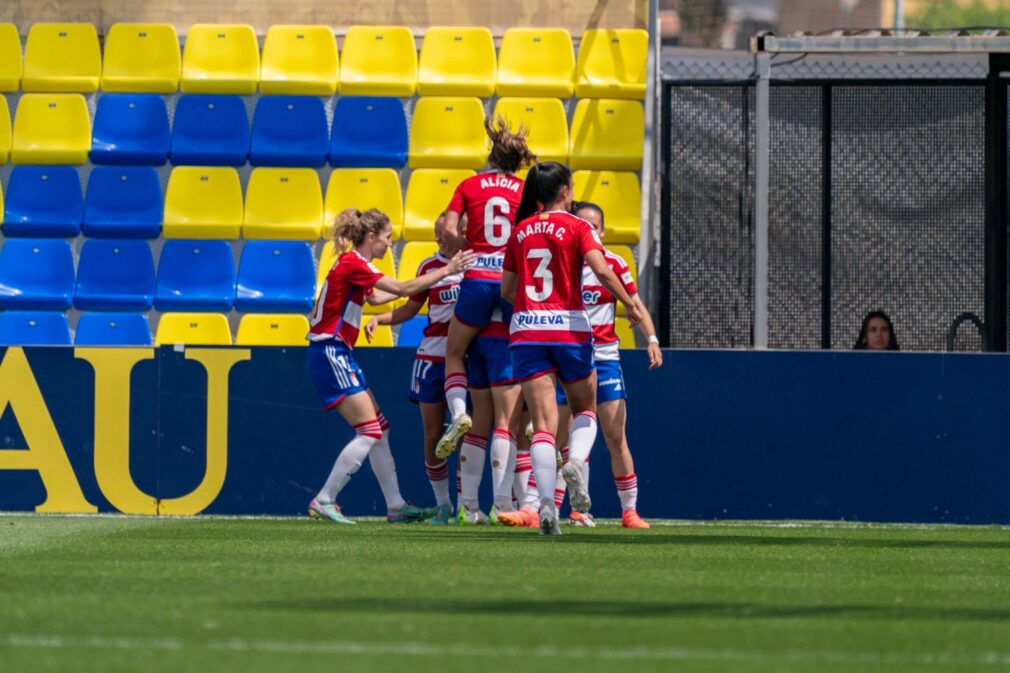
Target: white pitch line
418 649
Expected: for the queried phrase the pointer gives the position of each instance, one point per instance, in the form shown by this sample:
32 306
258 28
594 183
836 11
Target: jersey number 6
497 226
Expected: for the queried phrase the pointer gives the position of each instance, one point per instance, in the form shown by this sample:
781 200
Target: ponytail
543 186
351 226
509 151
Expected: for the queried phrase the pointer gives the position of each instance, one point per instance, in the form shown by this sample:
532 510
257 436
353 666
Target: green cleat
406 514
492 516
468 517
442 516
327 511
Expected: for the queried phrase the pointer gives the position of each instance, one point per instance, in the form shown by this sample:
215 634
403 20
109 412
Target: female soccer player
550 335
338 380
490 201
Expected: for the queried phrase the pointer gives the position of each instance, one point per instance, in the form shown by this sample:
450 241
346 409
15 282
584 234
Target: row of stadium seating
375 60
214 130
49 328
280 203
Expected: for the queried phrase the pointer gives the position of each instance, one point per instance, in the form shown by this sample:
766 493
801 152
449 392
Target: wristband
653 339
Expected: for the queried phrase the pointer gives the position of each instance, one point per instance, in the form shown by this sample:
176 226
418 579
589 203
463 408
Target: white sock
532 500
503 465
585 473
545 464
627 491
471 467
581 437
455 395
350 459
521 479
438 477
384 467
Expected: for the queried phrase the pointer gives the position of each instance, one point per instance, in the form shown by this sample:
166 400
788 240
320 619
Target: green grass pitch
211 594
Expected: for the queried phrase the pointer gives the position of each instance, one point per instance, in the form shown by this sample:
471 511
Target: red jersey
546 253
338 309
490 201
601 306
441 298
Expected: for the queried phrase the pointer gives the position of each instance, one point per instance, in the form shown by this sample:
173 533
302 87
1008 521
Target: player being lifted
550 334
490 201
338 380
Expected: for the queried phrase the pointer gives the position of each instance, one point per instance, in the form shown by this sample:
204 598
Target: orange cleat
579 519
630 519
527 517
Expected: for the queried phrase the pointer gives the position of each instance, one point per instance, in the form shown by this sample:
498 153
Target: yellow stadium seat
266 329
411 256
203 202
142 58
193 329
10 58
625 334
62 57
378 61
220 58
620 197
300 60
612 64
544 119
607 134
457 62
428 193
448 133
5 130
625 253
365 188
327 259
51 128
383 337
536 62
283 203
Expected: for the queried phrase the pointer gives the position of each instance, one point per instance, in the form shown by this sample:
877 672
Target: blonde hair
351 226
509 151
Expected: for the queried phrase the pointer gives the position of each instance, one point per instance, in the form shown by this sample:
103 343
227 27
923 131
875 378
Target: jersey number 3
497 226
543 272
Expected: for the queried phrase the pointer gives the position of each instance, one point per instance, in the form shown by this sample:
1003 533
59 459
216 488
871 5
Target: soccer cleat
523 518
559 458
329 511
442 516
549 519
447 444
529 432
579 519
406 514
467 517
577 493
630 519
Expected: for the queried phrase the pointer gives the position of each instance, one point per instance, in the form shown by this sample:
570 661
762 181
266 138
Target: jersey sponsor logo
591 296
449 295
503 181
611 382
528 320
493 262
626 277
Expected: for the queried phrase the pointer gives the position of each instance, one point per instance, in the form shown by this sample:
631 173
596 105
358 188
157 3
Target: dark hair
543 185
352 226
861 341
588 205
509 151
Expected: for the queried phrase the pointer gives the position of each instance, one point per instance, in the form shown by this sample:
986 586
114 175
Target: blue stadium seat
34 328
368 133
195 276
130 129
114 275
123 202
113 329
412 331
43 201
289 131
276 277
36 274
210 131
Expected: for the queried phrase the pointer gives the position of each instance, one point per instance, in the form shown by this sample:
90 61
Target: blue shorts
489 363
609 383
572 362
427 382
477 301
335 375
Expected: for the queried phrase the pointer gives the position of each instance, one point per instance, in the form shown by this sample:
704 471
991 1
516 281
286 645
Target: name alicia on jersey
503 181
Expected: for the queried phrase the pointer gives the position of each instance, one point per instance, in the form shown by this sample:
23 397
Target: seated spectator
877 333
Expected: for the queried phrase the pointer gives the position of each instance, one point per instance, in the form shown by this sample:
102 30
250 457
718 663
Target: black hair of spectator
861 341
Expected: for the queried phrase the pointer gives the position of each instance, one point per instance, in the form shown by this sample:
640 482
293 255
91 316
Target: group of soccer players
517 267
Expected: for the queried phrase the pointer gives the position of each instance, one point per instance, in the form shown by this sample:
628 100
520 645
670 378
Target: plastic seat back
412 332
448 133
203 202
607 135
220 58
428 193
10 58
378 61
130 129
115 275
619 195
368 132
210 131
195 276
625 334
62 57
289 131
612 64
34 328
300 60
123 202
193 329
411 256
275 277
383 338
283 204
266 329
536 62
141 58
36 274
43 201
457 61
365 188
545 121
113 329
5 130
51 128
